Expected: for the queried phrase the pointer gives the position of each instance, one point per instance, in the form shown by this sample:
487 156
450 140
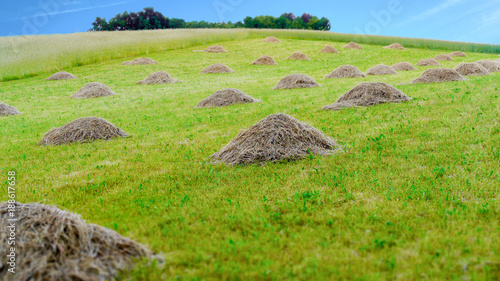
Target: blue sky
457 20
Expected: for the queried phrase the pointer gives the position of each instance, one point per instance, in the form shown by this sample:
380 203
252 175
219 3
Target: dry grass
329 50
6 110
458 54
217 68
213 49
492 66
443 57
428 62
395 46
345 71
264 60
404 66
93 90
353 45
381 69
226 97
438 75
140 61
62 75
296 81
160 77
298 56
272 39
471 69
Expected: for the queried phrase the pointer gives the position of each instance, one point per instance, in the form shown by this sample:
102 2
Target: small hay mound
296 81
214 49
381 69
140 61
443 57
458 54
329 50
428 62
471 69
353 45
52 244
345 71
85 129
277 137
404 66
368 94
272 39
298 56
395 46
93 90
438 75
217 68
6 109
492 66
226 97
63 75
160 77
264 60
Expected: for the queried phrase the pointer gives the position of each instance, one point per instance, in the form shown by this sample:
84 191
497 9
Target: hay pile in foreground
217 68
160 77
438 75
213 49
6 110
85 129
329 50
458 54
428 62
63 75
492 66
272 39
471 69
277 137
381 69
140 61
345 71
264 60
52 244
296 81
395 46
368 94
93 90
443 57
404 66
226 97
298 56
353 45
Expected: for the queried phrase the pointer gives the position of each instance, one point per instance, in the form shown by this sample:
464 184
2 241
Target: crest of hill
438 75
140 61
217 68
395 46
160 77
492 66
458 54
329 50
271 39
298 56
264 60
428 62
443 57
296 81
63 75
226 97
381 69
214 49
346 71
471 69
6 110
353 45
93 90
404 66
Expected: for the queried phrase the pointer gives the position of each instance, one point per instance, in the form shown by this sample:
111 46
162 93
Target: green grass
415 195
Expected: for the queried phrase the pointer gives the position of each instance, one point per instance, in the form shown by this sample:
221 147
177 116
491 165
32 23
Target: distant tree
306 17
289 16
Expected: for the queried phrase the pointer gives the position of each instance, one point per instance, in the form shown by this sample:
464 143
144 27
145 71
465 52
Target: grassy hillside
415 195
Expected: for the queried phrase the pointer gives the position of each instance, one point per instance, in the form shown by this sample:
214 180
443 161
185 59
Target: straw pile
403 66
298 56
471 69
213 49
85 129
395 46
381 69
329 49
271 39
160 77
52 244
6 109
63 75
368 94
277 137
492 66
345 71
428 62
93 90
443 57
217 68
140 61
438 75
226 97
458 54
353 45
264 60
295 81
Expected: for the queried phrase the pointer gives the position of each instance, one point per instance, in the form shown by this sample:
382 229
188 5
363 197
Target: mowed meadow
413 196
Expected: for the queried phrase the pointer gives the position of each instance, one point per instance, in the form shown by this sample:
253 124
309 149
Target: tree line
151 19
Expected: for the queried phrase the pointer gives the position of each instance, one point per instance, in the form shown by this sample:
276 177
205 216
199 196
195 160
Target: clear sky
458 20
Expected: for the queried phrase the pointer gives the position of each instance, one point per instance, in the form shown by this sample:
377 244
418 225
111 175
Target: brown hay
428 62
296 81
213 49
298 56
438 75
226 97
368 94
52 244
458 54
85 129
492 66
381 69
395 46
271 39
277 137
443 57
471 69
140 61
404 66
6 109
93 90
160 77
62 76
217 68
346 71
329 49
353 45
264 60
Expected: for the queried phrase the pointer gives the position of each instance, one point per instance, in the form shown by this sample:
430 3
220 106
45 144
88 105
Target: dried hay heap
213 49
428 62
492 66
353 45
368 94
277 137
395 46
160 77
345 71
226 97
471 69
52 244
438 75
381 69
140 61
6 109
329 50
443 57
298 56
217 68
85 129
404 66
93 90
264 60
458 54
296 81
63 75
271 39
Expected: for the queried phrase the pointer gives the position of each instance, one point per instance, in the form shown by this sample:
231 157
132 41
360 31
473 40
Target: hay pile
226 97
140 61
492 66
395 46
160 77
329 49
345 71
6 109
264 60
271 39
458 54
52 244
428 62
277 137
368 94
296 81
217 68
298 56
404 66
213 49
93 90
381 69
443 57
438 75
353 45
85 129
63 75
471 69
